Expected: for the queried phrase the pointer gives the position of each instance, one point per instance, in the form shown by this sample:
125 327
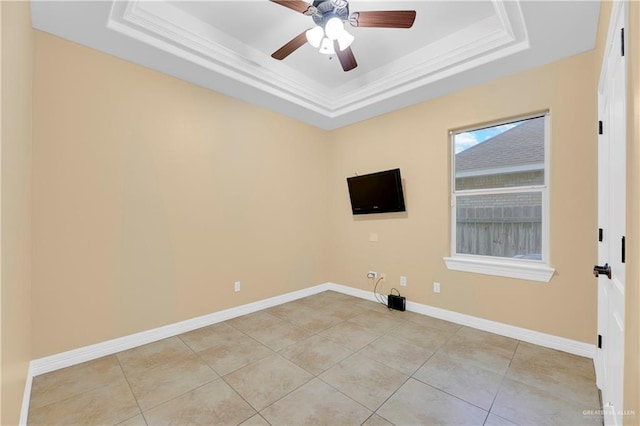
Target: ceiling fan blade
290 47
384 19
297 5
346 58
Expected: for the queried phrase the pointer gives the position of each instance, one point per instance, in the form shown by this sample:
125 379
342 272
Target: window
499 200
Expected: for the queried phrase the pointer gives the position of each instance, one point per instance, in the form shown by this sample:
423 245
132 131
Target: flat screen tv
379 192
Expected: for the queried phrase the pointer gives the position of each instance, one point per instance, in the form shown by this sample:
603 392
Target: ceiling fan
329 35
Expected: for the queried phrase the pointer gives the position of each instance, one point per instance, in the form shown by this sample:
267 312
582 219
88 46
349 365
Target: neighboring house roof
521 145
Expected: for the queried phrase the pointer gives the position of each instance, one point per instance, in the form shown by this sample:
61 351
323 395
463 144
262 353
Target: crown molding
163 26
166 27
196 42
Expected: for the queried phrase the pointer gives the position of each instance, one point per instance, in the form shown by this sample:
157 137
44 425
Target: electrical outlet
236 286
383 276
403 281
372 274
436 287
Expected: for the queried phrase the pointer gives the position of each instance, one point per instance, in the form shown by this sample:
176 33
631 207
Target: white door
611 218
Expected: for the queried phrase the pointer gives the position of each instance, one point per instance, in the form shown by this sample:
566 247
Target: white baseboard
537 338
526 335
110 347
351 291
26 397
88 353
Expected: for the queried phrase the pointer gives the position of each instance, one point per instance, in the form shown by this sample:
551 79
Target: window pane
504 225
508 155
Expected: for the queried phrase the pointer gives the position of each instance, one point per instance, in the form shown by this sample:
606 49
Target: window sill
502 268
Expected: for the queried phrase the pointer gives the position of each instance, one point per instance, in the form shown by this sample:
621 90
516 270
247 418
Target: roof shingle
523 144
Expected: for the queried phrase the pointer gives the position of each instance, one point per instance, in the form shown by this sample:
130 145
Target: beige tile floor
328 359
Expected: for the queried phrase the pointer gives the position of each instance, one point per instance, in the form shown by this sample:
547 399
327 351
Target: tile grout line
159 366
317 376
411 377
314 376
504 376
324 305
222 377
92 388
126 378
385 333
345 395
354 352
555 393
248 335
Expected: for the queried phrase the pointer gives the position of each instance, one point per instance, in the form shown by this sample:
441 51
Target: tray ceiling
226 46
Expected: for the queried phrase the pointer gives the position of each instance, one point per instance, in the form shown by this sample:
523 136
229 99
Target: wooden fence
504 239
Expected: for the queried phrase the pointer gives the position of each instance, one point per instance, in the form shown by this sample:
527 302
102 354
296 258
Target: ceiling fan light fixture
344 40
333 28
314 36
329 35
326 46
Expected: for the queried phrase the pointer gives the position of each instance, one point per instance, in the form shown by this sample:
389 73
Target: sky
466 140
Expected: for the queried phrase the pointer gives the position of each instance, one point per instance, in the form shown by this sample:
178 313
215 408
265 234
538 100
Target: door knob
606 270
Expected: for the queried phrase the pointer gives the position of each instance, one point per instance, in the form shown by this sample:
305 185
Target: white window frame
526 269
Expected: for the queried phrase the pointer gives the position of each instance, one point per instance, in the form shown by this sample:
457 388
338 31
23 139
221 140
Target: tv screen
379 192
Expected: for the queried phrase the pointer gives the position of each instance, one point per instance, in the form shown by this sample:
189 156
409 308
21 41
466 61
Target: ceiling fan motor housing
329 34
326 9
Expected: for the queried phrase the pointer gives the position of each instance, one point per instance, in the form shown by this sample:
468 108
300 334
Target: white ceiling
226 46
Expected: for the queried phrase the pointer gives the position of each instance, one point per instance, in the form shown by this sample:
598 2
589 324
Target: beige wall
152 196
632 289
17 66
416 139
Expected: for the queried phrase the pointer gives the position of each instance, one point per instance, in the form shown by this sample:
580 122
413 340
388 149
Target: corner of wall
15 195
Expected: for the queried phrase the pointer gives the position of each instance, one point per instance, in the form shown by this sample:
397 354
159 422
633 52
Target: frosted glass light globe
344 40
333 28
314 36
